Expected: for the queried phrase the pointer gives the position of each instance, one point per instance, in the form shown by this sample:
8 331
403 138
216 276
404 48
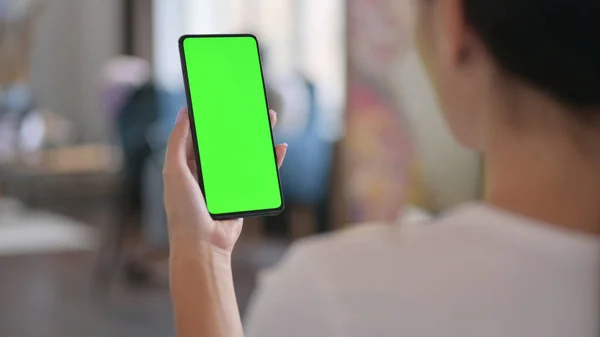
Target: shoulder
378 277
385 250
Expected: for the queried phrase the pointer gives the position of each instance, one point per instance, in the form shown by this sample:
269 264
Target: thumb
182 194
177 177
176 156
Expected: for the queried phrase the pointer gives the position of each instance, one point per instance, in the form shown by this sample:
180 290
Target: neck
544 177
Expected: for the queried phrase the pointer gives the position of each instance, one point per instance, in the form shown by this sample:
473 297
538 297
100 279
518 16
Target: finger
191 157
189 149
281 151
181 190
176 156
273 118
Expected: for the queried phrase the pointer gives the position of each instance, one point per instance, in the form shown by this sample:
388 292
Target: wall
74 39
168 27
321 49
143 23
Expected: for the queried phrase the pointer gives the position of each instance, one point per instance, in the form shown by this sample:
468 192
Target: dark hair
552 44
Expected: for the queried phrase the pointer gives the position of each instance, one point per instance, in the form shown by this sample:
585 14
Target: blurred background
89 90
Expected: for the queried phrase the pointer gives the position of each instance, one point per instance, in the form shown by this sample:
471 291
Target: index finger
273 118
177 153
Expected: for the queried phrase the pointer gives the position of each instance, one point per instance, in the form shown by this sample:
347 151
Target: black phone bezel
235 215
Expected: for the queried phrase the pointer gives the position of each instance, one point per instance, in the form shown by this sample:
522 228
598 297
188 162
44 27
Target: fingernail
274 112
180 115
285 144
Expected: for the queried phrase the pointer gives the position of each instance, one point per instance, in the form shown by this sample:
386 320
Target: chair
306 174
133 122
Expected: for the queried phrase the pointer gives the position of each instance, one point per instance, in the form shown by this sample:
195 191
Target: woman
517 80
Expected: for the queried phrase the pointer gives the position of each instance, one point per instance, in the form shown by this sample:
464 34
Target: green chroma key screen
231 120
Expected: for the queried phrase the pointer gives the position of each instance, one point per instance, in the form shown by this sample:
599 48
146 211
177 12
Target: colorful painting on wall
380 160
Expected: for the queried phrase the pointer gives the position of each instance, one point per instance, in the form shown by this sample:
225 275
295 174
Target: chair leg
110 250
323 218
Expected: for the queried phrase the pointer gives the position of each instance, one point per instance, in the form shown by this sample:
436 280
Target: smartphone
230 125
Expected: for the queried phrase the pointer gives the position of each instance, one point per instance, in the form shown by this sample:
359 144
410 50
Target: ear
453 32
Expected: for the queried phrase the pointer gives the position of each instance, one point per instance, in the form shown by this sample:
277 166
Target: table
65 179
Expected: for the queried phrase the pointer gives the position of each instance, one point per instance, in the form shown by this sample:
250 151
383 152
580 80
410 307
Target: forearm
202 292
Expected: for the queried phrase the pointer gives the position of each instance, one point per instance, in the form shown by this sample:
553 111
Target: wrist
202 290
186 252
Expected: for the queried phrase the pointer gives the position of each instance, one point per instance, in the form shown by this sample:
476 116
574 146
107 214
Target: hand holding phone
200 274
189 222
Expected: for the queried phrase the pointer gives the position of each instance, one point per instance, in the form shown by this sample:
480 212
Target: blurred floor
50 294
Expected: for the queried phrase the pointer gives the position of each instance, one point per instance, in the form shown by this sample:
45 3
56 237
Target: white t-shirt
475 272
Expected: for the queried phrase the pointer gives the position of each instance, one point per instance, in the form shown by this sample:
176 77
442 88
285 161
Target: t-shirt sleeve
290 301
